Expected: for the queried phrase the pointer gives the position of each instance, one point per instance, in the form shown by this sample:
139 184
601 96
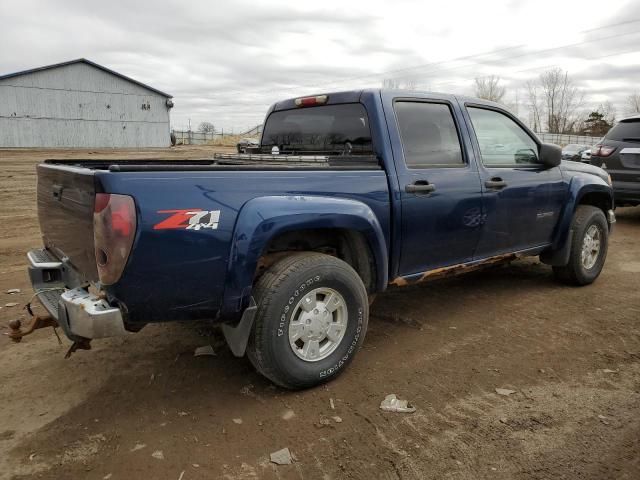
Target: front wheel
311 320
588 247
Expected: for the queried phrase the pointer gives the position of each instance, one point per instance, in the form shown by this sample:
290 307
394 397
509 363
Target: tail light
602 150
311 101
114 226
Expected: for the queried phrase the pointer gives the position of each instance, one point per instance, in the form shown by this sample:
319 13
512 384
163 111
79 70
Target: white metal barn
80 104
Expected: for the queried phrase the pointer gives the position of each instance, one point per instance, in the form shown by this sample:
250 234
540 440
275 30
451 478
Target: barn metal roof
88 62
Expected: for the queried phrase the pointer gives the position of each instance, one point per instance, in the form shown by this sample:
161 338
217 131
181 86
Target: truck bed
226 161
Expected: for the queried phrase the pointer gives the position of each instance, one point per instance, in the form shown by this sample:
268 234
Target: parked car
574 152
245 145
619 154
370 189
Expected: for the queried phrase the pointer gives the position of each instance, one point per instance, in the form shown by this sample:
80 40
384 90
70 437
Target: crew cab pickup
347 194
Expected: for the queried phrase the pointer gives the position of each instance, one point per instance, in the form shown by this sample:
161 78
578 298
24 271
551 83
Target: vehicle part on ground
288 295
588 247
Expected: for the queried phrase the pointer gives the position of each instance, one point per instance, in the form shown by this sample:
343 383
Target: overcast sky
226 62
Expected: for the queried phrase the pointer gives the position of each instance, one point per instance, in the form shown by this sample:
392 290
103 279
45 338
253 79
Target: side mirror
550 155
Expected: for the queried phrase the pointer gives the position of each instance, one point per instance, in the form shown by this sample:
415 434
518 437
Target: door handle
496 183
421 186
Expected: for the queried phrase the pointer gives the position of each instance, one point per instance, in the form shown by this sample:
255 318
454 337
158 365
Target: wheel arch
272 225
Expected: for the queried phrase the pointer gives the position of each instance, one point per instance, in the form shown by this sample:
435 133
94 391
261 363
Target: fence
187 137
562 139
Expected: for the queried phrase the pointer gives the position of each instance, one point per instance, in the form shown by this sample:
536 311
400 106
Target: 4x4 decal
189 219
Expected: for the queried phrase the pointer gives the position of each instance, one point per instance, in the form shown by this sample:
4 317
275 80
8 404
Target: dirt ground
143 406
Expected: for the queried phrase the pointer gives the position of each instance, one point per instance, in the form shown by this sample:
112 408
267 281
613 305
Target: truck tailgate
66 197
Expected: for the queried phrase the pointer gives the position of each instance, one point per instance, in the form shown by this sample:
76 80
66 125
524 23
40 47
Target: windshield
575 148
330 129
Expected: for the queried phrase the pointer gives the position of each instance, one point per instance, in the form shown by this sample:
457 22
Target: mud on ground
572 356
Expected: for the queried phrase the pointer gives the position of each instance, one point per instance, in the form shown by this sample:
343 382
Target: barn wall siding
80 106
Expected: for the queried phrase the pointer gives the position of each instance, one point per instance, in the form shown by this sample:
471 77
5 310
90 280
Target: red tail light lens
602 150
114 227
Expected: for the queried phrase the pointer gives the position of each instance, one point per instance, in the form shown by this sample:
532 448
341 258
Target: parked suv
619 154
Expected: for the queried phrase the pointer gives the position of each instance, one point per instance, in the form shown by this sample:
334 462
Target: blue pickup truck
346 195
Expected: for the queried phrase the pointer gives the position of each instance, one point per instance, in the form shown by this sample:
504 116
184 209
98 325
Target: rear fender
262 219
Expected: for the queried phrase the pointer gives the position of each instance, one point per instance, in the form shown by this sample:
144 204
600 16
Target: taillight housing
602 150
114 228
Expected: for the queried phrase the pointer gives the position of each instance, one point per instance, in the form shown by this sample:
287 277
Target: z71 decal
189 219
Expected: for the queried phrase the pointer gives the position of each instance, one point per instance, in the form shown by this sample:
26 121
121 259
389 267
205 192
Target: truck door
522 199
440 194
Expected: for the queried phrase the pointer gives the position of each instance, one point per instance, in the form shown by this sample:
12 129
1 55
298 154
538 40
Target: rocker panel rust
453 270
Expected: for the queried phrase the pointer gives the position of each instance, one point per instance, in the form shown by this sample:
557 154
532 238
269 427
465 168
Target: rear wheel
588 247
311 320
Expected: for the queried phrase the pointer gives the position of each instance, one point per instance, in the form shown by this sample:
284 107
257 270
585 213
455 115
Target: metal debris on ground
391 403
337 419
181 475
282 457
237 420
504 391
331 404
206 350
158 455
11 304
138 446
13 291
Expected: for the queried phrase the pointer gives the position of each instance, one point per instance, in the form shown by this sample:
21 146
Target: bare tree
555 99
206 127
562 99
536 108
633 103
489 88
400 83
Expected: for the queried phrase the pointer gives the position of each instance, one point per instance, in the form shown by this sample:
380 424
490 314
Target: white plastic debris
331 404
288 414
391 403
206 350
107 476
11 304
282 457
13 291
337 419
608 370
504 391
138 446
237 420
158 455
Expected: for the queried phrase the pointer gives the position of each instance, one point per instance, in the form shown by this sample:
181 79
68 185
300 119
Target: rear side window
625 132
329 129
429 135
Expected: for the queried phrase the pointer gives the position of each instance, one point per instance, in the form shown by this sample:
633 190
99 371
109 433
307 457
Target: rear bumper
79 313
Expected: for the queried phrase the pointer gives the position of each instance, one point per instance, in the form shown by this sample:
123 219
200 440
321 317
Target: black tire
277 293
575 273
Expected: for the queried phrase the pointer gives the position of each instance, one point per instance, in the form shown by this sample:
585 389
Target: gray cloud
227 62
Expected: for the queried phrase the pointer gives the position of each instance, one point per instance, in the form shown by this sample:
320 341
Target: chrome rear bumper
78 312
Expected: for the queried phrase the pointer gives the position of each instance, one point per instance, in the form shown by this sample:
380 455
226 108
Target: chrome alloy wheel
591 247
318 324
